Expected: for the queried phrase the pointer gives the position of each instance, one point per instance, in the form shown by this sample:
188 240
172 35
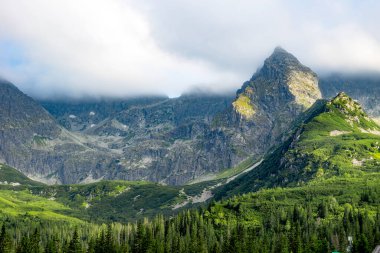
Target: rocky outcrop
267 104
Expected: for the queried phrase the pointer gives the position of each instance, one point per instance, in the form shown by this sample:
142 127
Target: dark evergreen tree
75 245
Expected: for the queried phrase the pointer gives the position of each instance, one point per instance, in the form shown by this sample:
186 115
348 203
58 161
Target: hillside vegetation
316 190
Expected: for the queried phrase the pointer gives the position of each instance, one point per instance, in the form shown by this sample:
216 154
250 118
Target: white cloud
129 47
94 47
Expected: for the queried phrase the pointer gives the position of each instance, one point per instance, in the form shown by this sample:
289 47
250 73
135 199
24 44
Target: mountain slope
105 201
12 177
266 105
315 212
32 142
335 139
171 141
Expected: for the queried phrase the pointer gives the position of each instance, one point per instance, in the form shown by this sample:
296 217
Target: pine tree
35 242
74 245
5 241
24 246
52 245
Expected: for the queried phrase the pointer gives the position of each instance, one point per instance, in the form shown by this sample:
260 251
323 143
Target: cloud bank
133 47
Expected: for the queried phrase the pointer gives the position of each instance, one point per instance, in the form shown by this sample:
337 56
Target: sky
75 48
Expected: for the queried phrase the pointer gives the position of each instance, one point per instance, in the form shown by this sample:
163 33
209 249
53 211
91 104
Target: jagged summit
271 100
280 63
282 56
279 49
282 83
346 105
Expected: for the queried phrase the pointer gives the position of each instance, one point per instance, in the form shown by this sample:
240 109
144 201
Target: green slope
320 186
337 140
10 176
103 201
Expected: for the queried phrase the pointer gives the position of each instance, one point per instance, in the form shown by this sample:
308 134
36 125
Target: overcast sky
133 47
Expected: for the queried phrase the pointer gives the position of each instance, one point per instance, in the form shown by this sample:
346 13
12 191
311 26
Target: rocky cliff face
282 82
32 142
157 139
267 104
167 140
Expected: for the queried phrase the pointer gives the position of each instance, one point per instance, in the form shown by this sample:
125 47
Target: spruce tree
74 245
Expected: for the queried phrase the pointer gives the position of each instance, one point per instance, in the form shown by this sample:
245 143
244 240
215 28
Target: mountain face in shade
20 111
32 142
165 140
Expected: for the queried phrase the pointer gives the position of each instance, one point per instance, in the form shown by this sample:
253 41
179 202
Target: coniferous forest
222 227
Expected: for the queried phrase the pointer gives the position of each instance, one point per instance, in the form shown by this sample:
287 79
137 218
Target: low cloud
126 48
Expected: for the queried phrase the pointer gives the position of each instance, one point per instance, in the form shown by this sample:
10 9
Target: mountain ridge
335 137
171 141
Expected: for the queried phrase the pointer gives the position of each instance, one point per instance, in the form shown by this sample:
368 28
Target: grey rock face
80 115
168 141
32 142
267 104
159 139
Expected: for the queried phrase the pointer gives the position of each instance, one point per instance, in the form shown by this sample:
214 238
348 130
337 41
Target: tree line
295 229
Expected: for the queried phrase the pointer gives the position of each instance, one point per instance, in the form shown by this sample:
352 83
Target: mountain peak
282 82
279 50
281 61
346 105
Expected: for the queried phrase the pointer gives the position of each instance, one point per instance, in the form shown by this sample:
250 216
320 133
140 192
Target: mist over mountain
144 48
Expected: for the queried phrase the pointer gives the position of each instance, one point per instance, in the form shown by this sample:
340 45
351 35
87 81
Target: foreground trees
294 229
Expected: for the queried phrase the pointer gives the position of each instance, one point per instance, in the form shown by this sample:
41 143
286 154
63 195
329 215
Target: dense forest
221 227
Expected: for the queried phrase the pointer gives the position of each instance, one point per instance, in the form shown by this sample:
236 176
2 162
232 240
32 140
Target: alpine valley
290 163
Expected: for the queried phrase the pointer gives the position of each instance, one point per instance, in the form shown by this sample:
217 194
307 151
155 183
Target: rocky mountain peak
282 83
346 105
281 60
19 110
